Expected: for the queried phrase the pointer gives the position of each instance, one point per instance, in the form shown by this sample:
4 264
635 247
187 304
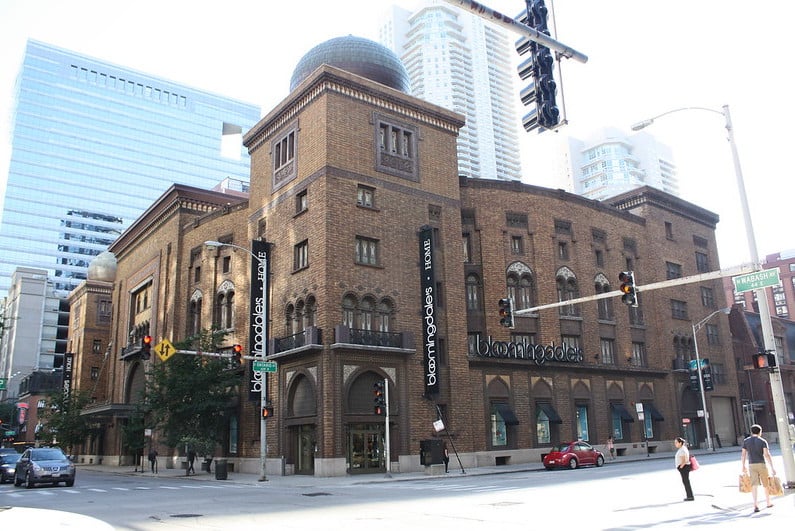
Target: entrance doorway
305 449
366 448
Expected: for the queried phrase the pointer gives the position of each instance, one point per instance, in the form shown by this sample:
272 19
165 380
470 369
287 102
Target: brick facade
345 173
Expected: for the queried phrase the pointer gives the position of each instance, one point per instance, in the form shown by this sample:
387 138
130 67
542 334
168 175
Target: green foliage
132 433
61 419
8 411
189 396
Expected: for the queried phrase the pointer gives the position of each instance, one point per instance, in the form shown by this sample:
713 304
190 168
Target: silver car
44 465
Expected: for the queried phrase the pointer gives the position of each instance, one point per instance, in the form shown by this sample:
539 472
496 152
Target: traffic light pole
732 271
510 24
386 429
262 262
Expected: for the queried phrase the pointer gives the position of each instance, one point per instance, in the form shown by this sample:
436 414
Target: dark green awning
551 414
507 414
625 415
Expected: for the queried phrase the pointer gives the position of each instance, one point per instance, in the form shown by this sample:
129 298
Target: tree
61 419
188 396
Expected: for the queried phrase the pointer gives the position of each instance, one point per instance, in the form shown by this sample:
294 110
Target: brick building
384 264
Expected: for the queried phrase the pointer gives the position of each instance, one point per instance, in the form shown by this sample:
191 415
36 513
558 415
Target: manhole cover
186 515
316 494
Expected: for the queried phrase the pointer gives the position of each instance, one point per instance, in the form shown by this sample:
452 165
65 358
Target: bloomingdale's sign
540 354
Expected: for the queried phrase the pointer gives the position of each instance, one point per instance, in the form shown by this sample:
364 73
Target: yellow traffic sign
165 349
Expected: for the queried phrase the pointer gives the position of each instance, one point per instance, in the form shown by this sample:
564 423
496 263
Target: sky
645 58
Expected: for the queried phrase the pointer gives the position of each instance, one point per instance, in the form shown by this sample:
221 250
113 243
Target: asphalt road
619 496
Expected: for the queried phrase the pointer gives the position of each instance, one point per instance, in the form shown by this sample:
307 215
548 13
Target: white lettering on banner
430 338
428 296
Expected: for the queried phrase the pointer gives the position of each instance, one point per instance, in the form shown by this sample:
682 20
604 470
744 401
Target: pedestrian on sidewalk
611 448
682 460
755 450
191 459
445 456
153 460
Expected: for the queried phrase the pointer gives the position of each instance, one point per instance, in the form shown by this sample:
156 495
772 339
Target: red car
572 455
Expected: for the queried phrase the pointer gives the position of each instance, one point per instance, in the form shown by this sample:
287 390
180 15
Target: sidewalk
361 479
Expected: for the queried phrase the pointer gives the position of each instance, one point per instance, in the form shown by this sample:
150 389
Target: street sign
264 366
685 420
2 384
165 349
758 279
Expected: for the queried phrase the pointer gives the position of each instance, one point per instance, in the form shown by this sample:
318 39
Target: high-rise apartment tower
458 61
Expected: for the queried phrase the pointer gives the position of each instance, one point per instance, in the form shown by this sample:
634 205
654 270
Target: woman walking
682 460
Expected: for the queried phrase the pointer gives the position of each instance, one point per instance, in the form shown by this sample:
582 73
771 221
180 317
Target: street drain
186 515
312 494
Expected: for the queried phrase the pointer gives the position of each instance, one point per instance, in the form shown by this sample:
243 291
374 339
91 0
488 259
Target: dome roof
103 267
357 55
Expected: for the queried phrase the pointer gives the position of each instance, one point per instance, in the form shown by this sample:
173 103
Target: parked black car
8 463
44 465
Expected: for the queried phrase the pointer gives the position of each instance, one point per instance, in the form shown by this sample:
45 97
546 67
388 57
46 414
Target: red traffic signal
267 412
146 347
506 312
379 398
237 354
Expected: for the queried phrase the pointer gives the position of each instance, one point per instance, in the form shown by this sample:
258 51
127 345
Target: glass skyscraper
94 145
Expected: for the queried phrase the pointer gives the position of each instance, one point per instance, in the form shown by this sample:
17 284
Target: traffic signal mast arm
216 354
737 270
525 31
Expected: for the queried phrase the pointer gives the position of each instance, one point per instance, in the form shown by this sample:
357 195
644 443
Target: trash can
220 469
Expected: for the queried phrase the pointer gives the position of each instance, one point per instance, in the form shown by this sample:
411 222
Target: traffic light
506 312
764 360
267 411
630 292
379 399
146 347
237 355
540 67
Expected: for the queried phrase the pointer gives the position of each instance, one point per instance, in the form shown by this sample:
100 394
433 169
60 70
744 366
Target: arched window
289 317
512 283
366 313
224 305
298 318
604 306
195 313
310 312
348 310
385 310
520 285
473 292
566 283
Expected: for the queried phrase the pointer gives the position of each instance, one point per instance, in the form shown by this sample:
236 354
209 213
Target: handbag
693 463
774 487
745 483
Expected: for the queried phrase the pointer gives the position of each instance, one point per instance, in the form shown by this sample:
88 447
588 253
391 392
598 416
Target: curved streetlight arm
646 123
213 243
700 324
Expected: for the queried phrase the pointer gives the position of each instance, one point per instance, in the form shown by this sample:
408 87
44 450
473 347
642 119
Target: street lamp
696 328
776 387
263 315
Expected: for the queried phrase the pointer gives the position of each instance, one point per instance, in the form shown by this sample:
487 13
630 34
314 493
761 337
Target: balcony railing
312 335
372 338
131 350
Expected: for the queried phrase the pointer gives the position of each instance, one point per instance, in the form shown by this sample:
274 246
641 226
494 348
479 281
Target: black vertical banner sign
258 330
428 295
68 363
